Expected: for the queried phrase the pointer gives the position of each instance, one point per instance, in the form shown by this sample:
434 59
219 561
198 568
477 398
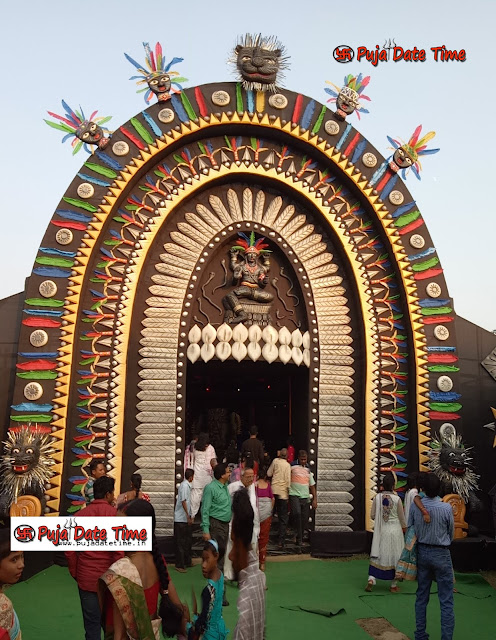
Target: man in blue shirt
434 559
183 523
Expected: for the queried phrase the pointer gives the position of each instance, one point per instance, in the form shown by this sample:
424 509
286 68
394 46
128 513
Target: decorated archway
121 303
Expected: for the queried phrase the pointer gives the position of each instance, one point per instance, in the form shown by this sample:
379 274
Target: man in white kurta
247 478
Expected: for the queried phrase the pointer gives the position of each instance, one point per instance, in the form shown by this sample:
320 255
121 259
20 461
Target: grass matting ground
48 603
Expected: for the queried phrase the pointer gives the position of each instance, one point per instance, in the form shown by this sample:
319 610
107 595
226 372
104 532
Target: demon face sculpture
451 462
25 466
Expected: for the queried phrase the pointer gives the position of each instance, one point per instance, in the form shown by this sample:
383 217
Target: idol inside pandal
156 74
250 265
348 98
259 61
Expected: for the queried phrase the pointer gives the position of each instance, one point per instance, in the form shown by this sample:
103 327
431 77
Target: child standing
406 569
209 625
183 523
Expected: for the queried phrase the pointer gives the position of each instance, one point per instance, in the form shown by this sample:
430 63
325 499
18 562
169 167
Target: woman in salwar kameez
388 541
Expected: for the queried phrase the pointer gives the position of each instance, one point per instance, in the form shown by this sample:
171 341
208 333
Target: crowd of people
131 595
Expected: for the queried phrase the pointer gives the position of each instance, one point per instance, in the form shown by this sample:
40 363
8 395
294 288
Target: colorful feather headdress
353 83
70 122
414 148
250 244
155 65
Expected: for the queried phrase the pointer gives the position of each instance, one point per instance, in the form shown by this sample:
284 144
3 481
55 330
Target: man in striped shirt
302 486
434 559
245 562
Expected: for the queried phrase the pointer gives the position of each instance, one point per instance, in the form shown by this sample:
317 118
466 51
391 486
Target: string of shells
268 343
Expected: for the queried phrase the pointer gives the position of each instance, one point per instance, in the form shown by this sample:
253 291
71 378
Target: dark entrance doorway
226 398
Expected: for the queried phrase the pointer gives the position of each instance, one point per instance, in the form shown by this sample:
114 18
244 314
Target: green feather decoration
442 368
427 264
37 375
319 121
32 417
407 218
439 311
77 147
60 126
142 131
103 171
55 262
451 407
77 488
187 105
80 204
239 98
44 302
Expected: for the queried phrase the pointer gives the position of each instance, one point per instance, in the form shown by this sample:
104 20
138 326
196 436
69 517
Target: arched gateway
138 327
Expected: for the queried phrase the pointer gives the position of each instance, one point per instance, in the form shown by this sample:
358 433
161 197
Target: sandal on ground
394 589
369 586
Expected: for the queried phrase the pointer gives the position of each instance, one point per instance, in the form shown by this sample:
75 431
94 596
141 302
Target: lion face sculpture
259 61
25 466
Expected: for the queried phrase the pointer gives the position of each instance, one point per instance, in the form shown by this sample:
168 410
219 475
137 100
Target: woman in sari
11 566
265 501
133 493
129 591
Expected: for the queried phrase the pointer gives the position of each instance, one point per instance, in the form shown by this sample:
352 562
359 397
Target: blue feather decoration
134 63
172 63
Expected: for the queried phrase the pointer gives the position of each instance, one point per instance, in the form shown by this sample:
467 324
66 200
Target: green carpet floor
48 604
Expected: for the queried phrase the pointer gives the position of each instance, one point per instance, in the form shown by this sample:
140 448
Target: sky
54 50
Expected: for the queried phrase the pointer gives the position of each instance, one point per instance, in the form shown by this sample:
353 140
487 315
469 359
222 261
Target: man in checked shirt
434 559
251 599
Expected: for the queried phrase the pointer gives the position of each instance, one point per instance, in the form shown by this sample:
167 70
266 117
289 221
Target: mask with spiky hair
25 466
451 462
259 61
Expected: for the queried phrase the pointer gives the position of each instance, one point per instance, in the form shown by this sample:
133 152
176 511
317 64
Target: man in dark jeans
183 523
216 513
87 566
302 486
434 559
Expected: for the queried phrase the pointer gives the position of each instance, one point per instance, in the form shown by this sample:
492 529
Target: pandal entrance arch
143 226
